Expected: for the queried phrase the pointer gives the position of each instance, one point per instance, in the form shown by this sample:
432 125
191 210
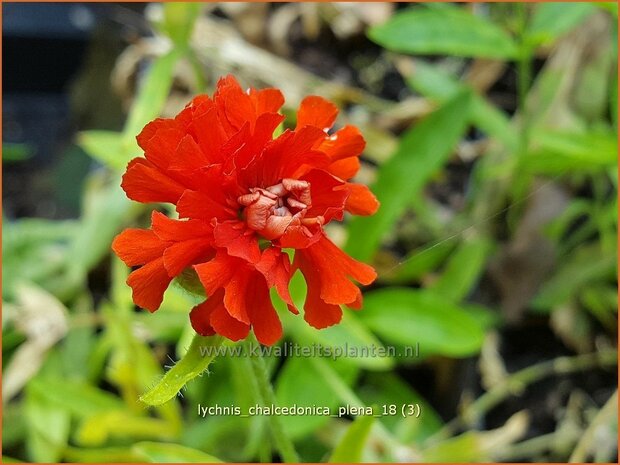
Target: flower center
270 211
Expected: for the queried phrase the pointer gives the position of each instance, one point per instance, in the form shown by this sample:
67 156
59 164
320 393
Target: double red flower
242 197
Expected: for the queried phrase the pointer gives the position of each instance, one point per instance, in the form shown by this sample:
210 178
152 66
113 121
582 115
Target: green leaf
105 209
464 448
557 152
108 147
350 329
98 429
422 261
586 266
438 85
101 455
155 452
422 152
152 94
463 269
299 383
47 431
78 398
178 21
444 31
409 316
194 363
389 388
351 446
552 20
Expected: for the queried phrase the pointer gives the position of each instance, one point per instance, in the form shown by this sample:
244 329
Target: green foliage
407 316
103 391
351 446
551 20
444 31
193 364
178 22
421 153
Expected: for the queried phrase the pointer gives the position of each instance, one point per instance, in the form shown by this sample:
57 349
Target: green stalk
267 397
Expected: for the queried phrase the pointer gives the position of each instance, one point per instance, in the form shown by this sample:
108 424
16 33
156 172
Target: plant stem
607 414
517 382
267 397
524 75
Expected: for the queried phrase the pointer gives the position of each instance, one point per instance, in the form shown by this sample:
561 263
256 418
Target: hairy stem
267 397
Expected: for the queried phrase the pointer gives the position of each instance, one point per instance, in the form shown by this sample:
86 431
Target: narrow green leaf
587 265
464 448
78 398
558 152
438 85
105 209
108 147
422 261
152 94
444 31
409 316
421 153
463 269
389 388
101 455
351 446
299 383
193 364
178 21
98 429
552 20
47 427
155 452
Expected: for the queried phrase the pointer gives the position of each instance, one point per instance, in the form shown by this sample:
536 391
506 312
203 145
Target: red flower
242 197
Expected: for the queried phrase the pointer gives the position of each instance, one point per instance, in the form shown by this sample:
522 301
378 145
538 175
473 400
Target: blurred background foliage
492 145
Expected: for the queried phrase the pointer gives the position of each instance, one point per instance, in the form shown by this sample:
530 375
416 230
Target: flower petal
209 134
180 255
199 205
276 268
328 195
317 312
200 315
238 239
316 111
149 284
344 169
216 273
138 246
228 326
265 321
188 157
143 182
171 230
238 295
335 268
266 100
344 143
361 200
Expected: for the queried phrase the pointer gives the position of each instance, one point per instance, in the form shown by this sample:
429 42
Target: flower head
243 196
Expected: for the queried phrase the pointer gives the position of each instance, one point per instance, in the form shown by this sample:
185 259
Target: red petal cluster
242 197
